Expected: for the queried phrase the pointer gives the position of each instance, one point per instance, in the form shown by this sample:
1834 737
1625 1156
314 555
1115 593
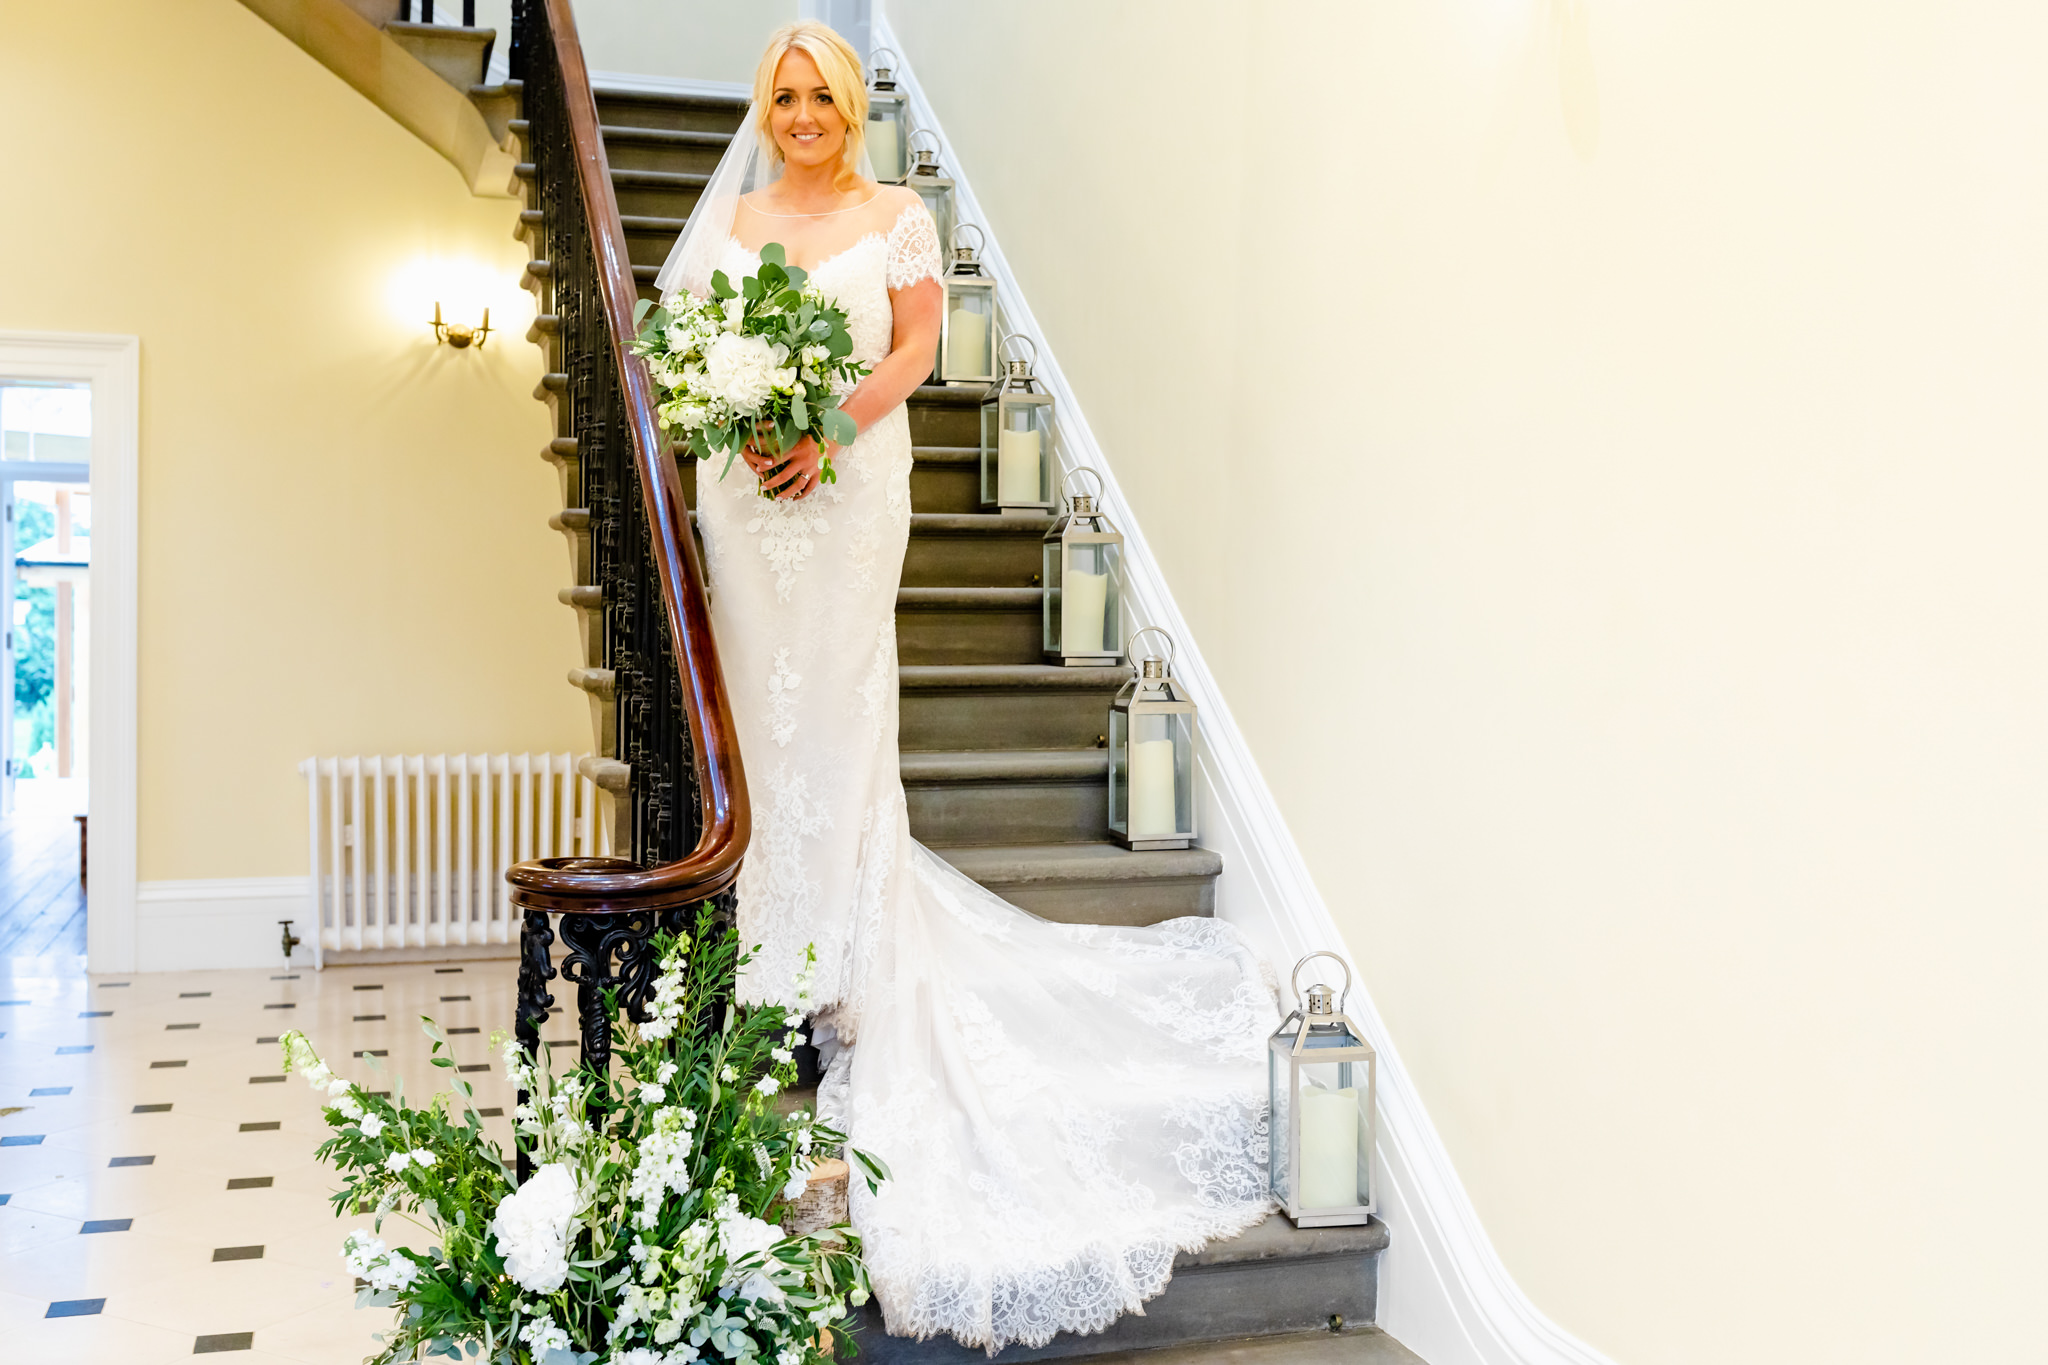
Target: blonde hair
837 62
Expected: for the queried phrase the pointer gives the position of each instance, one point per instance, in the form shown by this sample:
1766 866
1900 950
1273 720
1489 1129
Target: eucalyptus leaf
799 415
839 428
772 254
721 287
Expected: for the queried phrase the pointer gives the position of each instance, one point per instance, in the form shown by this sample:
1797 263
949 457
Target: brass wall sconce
458 334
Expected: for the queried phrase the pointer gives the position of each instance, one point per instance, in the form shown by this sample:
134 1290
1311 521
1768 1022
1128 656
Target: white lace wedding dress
1062 1107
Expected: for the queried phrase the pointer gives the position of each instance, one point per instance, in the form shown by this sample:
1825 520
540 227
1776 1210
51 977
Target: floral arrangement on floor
645 1235
752 365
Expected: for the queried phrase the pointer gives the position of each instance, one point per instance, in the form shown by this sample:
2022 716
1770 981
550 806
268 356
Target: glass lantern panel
885 137
937 194
968 349
1280 1093
1087 622
1119 770
1021 445
1334 1133
1161 757
1052 575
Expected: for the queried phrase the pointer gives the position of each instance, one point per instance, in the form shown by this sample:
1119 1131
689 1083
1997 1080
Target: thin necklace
824 213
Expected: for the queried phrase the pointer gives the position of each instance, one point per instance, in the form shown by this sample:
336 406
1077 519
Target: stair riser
969 637
933 424
1009 813
631 154
945 488
624 111
985 720
1202 1303
649 202
648 248
954 560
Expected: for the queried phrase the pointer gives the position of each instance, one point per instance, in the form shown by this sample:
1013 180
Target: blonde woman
1063 1107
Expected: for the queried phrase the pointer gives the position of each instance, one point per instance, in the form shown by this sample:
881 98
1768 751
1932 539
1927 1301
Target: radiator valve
289 939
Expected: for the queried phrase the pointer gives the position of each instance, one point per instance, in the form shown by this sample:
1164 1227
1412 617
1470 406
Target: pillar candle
1152 804
885 149
1083 597
1329 1148
1017 467
966 344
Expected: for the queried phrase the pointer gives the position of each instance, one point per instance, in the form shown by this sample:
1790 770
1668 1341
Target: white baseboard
639 84
1444 1292
183 926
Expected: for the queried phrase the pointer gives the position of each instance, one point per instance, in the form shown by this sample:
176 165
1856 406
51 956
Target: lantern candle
1152 804
967 348
1083 599
1017 472
1329 1147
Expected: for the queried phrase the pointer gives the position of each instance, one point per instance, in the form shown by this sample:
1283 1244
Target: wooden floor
42 906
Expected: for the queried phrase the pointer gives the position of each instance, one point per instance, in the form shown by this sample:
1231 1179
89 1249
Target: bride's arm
911 352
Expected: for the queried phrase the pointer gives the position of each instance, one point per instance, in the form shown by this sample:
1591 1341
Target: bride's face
806 123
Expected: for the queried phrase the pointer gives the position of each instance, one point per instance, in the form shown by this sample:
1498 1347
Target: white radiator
410 851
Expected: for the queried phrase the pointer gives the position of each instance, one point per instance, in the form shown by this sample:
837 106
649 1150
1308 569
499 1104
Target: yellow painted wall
344 538
1640 410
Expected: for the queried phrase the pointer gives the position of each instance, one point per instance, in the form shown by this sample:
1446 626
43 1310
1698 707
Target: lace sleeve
913 247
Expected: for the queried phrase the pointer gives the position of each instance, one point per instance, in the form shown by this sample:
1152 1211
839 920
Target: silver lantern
967 329
932 184
1152 755
1083 578
1321 1078
888 130
1016 438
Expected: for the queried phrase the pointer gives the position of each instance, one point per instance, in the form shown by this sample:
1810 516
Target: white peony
532 1228
744 371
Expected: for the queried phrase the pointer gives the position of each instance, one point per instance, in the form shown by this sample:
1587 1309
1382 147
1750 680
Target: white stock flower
372 1125
799 1181
767 1085
421 1156
650 1093
532 1229
543 1336
397 1162
379 1267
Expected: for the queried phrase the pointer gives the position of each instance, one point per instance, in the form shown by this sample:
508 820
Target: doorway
45 667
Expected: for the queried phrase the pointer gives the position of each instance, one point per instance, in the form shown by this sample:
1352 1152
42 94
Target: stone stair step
1099 883
1007 796
1258 1299
696 113
1004 706
946 479
456 55
970 625
974 549
945 416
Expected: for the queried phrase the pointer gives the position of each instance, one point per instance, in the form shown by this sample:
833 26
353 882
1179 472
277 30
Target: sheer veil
745 167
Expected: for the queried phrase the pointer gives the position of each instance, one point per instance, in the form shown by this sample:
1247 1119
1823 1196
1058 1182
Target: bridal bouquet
644 1235
751 365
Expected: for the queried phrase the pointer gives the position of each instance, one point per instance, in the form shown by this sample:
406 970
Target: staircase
1004 766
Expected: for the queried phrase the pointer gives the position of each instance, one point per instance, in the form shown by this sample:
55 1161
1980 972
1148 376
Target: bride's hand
794 475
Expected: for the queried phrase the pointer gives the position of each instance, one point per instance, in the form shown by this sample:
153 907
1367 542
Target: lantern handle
1172 649
874 65
1081 469
1294 981
1009 337
980 241
910 143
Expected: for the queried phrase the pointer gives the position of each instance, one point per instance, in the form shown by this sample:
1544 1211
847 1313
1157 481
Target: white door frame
112 365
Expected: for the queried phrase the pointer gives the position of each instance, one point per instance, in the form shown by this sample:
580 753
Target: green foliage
679 1160
35 649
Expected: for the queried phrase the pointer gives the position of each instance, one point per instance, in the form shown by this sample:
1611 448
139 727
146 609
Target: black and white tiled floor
158 1193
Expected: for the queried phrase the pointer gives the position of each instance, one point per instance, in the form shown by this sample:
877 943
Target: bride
1062 1107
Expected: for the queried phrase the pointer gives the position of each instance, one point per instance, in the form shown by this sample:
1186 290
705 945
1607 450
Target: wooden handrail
618 884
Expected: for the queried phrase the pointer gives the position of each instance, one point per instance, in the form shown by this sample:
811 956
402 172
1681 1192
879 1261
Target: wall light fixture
459 334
